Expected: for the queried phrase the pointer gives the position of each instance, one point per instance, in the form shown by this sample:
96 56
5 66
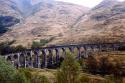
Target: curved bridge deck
53 55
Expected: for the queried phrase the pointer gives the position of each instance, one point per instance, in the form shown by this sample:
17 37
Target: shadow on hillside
7 21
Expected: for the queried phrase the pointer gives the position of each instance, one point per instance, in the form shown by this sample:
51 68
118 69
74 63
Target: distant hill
103 23
26 21
36 21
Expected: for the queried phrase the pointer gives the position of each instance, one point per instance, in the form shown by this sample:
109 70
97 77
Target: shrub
82 63
26 73
8 74
92 65
18 48
6 48
42 42
21 78
32 78
69 71
104 65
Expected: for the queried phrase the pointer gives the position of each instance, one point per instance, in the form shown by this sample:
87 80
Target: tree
69 71
9 74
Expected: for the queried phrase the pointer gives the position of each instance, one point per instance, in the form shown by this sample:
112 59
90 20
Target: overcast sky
87 3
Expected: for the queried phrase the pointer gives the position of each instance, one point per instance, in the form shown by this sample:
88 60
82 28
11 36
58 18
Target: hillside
103 23
45 20
64 23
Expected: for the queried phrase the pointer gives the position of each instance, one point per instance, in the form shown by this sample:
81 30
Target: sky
87 3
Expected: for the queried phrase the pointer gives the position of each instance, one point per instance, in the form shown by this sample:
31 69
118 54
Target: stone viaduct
51 56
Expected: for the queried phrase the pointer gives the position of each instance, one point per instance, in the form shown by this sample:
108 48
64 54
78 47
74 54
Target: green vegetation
96 69
41 43
33 78
20 78
6 48
39 79
9 74
69 71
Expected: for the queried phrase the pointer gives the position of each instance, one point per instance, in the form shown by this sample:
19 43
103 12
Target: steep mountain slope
43 20
62 22
103 23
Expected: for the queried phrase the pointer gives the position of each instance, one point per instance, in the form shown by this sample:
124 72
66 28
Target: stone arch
78 52
83 51
95 48
57 55
71 49
15 60
44 58
9 58
22 60
28 58
63 52
50 58
37 62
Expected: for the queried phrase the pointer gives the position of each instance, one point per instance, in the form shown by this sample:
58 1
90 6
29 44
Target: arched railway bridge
51 56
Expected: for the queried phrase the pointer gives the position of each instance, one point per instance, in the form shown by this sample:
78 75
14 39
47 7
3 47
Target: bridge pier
38 58
25 60
14 59
50 62
57 56
85 52
18 62
9 58
64 52
79 53
71 50
22 60
31 59
44 58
